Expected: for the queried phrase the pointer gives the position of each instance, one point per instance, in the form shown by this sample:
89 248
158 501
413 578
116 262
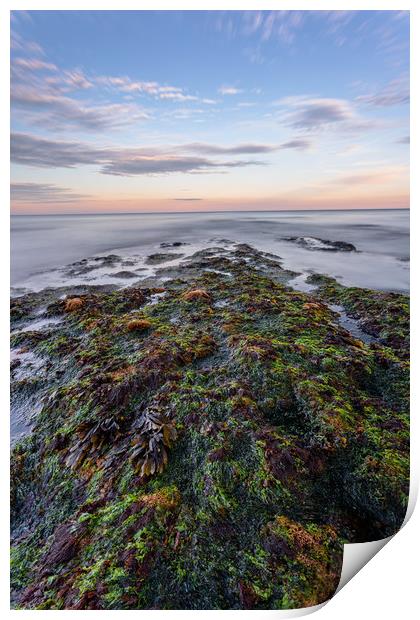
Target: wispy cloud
34 64
316 113
158 91
230 90
299 144
42 93
23 45
57 112
371 177
309 114
161 164
71 80
40 152
187 199
396 92
42 193
281 25
239 149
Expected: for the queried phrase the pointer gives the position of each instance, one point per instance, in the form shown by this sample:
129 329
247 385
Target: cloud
34 64
18 43
143 165
60 112
154 89
75 80
42 193
230 90
178 97
40 152
311 114
24 73
240 149
279 25
43 153
127 85
396 92
383 29
298 144
41 93
376 177
245 149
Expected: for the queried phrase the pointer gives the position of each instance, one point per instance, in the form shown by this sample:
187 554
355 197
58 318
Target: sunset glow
207 111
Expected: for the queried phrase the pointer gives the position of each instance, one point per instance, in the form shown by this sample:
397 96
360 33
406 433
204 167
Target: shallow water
351 324
42 246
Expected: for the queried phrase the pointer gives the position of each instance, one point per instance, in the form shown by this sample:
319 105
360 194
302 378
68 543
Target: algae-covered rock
196 294
219 460
138 325
74 303
322 245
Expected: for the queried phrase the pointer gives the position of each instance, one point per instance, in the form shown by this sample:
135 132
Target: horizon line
209 212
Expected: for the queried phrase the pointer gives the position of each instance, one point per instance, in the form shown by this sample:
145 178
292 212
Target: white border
398 560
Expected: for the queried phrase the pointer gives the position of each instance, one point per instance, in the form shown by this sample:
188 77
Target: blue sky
199 110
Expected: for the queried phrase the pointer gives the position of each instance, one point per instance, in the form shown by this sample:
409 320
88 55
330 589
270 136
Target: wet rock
65 545
244 424
156 259
323 245
126 275
85 266
173 244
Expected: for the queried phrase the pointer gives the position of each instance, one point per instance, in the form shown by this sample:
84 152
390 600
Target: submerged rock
173 244
126 275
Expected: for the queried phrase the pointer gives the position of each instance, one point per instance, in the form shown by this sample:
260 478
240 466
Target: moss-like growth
138 325
220 460
196 294
72 304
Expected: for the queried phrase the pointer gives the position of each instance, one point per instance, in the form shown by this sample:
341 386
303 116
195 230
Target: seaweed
213 449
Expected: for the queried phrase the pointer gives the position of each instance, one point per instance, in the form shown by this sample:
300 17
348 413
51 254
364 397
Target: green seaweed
218 459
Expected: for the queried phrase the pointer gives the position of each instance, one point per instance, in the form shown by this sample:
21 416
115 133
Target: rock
216 421
65 544
323 245
123 274
156 259
173 244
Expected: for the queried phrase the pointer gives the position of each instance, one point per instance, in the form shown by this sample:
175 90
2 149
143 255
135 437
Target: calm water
42 245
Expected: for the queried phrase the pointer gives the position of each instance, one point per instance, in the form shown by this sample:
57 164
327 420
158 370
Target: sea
44 247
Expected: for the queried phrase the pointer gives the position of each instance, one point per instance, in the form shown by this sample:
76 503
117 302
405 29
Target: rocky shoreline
205 438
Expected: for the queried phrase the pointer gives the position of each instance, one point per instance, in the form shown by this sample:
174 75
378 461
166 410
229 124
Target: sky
125 111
